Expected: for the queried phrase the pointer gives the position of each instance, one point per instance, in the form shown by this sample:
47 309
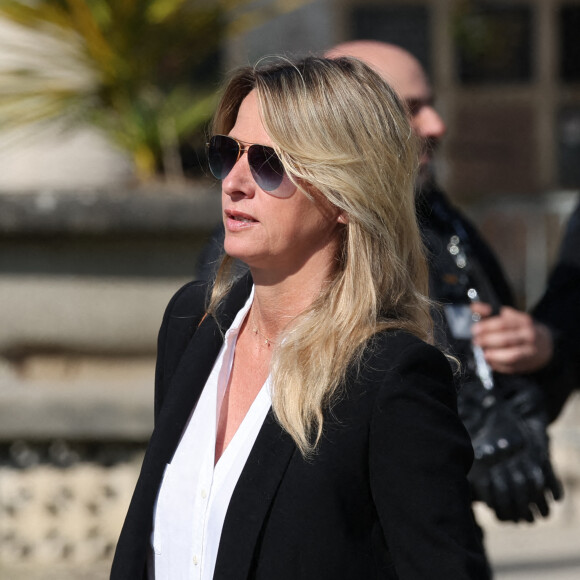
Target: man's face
404 73
408 79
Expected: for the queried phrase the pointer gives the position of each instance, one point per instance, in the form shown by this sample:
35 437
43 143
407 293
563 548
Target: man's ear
342 218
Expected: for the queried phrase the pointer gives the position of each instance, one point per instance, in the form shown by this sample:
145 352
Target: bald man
405 74
505 415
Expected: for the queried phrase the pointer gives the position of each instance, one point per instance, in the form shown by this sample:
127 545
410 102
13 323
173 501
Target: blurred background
105 201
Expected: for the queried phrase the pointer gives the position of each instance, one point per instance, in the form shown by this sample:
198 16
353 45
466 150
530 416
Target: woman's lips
236 220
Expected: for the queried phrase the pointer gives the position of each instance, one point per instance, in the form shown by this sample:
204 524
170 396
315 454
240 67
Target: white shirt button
195 560
203 493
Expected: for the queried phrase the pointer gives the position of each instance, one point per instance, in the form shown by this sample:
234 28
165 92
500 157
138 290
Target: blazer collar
234 301
194 369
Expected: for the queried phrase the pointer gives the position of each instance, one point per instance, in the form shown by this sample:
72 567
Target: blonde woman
304 427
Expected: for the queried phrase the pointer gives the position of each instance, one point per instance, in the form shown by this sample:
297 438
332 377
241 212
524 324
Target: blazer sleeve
419 457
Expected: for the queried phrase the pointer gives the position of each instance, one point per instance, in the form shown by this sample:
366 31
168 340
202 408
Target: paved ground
548 550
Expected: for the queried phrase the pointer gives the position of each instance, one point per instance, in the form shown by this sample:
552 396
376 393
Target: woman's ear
342 218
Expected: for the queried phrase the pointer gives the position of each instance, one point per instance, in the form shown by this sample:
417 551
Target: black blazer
386 495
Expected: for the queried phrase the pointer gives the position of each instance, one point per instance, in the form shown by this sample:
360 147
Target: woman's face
277 234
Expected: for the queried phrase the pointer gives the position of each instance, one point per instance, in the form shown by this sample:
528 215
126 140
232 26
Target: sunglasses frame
244 147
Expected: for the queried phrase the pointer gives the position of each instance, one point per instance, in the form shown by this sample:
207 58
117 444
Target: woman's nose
239 180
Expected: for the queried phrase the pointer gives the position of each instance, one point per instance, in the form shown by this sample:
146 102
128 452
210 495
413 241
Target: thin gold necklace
267 341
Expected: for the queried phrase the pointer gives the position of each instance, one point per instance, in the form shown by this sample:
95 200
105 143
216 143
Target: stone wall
84 280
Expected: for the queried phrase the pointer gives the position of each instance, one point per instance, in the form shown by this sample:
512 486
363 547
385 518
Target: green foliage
135 68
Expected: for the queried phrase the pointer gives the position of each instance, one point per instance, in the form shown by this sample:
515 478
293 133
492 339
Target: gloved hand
512 472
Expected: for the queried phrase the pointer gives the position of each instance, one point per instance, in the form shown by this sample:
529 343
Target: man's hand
512 341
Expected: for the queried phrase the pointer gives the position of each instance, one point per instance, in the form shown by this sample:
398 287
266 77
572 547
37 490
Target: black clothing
504 414
507 425
439 220
559 309
384 497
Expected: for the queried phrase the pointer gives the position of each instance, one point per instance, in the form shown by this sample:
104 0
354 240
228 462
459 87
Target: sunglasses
267 170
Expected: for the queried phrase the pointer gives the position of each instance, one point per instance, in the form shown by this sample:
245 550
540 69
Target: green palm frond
126 66
46 76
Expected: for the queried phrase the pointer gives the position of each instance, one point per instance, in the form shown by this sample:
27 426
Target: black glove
512 472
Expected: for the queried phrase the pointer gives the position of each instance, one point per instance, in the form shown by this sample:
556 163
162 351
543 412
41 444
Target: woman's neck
278 300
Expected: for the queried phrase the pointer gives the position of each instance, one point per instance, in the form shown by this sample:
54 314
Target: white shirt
194 496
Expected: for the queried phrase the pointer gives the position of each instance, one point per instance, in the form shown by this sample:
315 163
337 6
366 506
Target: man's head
406 75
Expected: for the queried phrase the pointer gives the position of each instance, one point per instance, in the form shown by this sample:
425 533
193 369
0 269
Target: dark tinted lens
222 154
266 167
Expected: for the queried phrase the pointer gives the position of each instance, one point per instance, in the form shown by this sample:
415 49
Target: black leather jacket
460 262
506 415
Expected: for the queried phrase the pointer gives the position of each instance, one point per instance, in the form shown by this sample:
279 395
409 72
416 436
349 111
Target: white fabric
194 496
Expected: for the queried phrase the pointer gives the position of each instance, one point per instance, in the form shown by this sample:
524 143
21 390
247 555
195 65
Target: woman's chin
239 253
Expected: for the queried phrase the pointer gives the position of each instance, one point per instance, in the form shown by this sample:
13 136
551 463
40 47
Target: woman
304 429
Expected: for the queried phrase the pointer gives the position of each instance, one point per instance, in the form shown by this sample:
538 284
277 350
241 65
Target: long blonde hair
339 127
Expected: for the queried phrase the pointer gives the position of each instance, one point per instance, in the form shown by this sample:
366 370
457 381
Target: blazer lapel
267 462
251 500
194 369
186 385
183 392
